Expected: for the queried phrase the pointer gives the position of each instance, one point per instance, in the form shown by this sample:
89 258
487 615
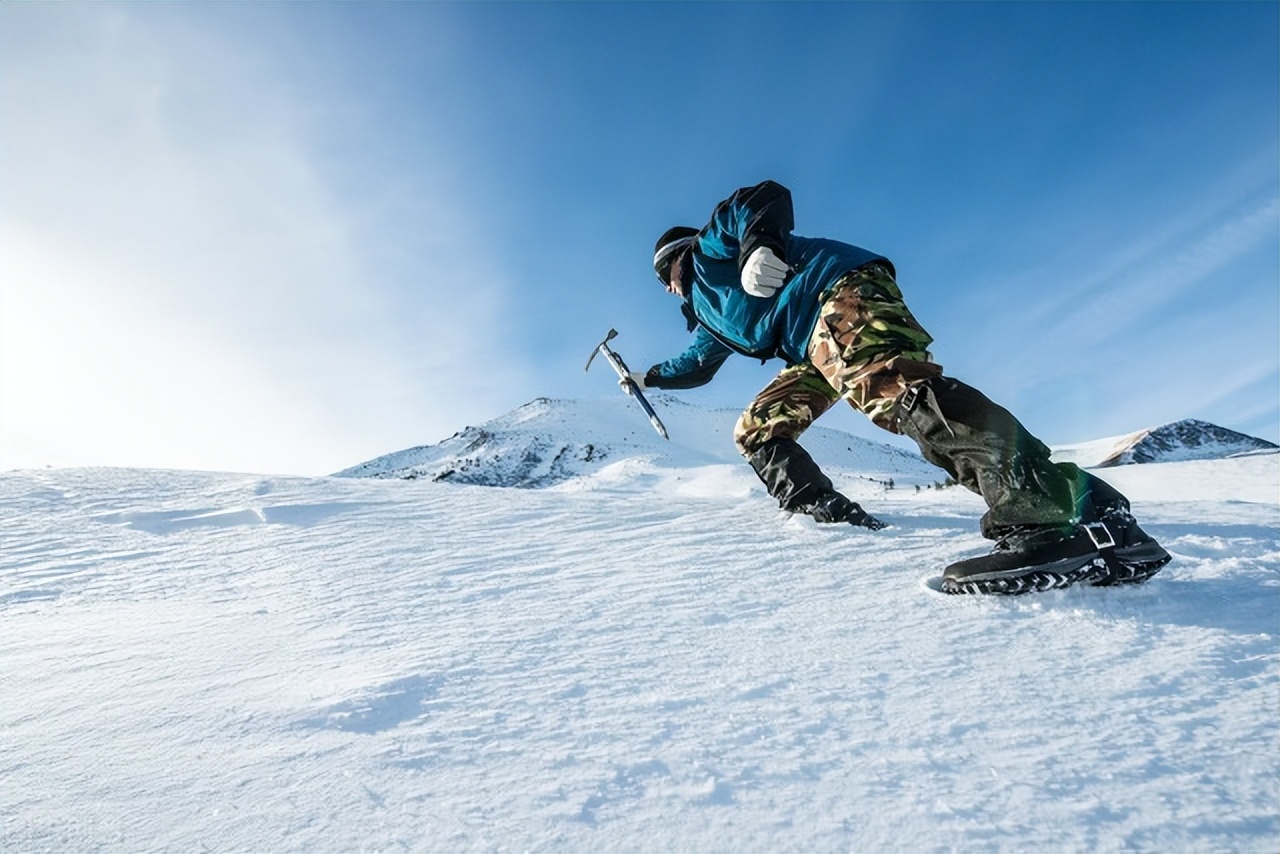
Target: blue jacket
724 317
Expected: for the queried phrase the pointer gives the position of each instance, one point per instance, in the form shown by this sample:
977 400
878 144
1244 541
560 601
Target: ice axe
629 385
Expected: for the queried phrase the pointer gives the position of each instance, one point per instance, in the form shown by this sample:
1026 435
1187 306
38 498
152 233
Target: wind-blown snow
648 656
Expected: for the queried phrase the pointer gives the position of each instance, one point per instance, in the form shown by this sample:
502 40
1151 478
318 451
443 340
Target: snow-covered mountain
1177 442
549 441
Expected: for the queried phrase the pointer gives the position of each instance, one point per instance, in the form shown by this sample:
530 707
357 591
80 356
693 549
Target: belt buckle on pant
910 397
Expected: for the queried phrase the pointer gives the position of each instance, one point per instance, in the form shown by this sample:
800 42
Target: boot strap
1105 542
1100 535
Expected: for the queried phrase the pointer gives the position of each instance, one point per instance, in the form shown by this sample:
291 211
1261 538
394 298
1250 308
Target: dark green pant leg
988 451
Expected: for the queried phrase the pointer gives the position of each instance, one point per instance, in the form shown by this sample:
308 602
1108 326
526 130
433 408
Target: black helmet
668 246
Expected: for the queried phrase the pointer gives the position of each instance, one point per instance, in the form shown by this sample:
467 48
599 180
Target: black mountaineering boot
794 479
1054 524
1026 559
1030 558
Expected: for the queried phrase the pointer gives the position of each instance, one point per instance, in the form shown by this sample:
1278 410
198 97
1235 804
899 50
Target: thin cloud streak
1127 300
237 321
1120 325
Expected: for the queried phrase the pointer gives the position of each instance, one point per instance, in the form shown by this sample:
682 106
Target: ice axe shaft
620 368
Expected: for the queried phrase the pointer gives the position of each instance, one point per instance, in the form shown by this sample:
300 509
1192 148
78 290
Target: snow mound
547 442
1181 441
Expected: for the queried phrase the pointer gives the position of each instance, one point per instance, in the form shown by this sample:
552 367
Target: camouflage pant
866 348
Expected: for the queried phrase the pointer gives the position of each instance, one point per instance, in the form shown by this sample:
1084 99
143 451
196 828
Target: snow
645 656
1091 453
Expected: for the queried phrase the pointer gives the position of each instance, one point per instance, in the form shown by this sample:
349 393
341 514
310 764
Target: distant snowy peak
1176 442
535 445
485 457
1185 440
538 444
545 442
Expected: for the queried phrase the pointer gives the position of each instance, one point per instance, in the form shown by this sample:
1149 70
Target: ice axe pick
629 385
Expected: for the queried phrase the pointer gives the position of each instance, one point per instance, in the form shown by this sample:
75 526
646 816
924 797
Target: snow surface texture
646 656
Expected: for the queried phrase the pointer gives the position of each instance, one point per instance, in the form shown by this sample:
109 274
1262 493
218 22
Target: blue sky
289 237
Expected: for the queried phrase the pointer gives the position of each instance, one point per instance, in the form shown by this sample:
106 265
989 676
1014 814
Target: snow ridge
546 442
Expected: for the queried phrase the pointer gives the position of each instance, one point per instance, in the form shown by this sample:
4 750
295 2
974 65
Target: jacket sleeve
750 218
692 368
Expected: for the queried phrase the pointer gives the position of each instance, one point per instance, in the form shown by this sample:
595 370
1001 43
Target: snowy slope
644 658
1180 441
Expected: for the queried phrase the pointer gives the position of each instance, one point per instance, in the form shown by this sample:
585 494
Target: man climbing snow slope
834 313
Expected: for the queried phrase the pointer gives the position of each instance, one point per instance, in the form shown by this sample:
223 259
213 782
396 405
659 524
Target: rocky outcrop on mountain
486 457
538 444
1183 440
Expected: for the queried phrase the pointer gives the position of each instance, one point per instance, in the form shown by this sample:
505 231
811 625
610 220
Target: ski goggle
666 256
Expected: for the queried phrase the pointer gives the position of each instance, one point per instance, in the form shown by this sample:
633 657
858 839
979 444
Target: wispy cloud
1165 272
176 257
